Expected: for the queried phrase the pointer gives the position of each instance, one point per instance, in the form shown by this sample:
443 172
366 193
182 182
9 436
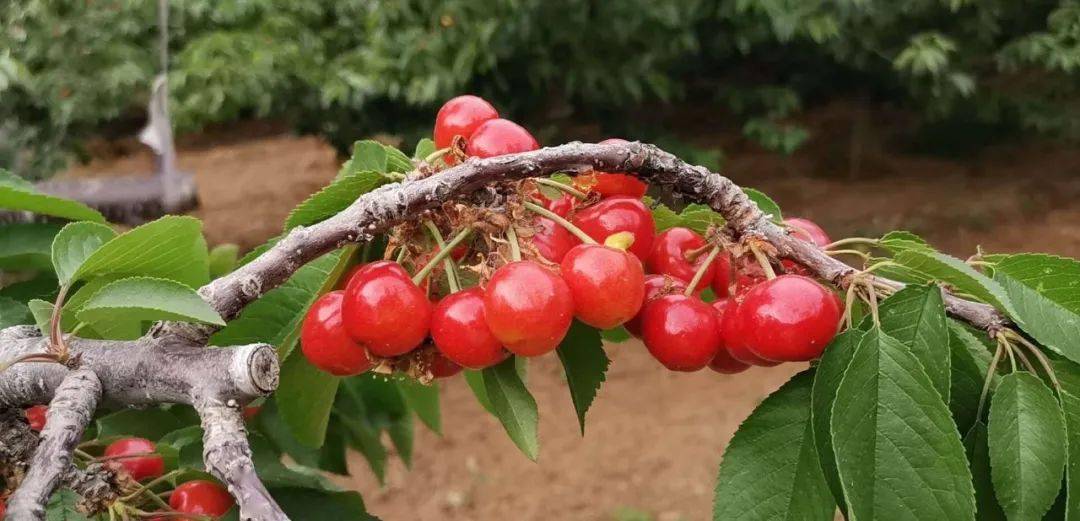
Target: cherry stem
852 240
989 378
448 262
692 255
766 266
438 154
512 238
1034 349
561 186
700 273
584 237
865 256
443 254
143 488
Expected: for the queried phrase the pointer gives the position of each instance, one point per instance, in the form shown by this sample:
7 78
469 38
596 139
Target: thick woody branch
228 457
69 412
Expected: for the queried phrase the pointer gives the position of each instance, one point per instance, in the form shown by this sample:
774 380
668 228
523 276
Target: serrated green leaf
969 363
424 148
334 198
27 246
402 433
1045 293
222 259
898 241
304 399
1056 278
978 454
306 503
663 217
171 247
1026 434
424 401
148 299
18 194
699 218
377 157
1068 374
75 243
830 371
915 316
353 410
897 450
63 506
513 406
113 327
956 273
13 313
771 469
766 204
585 363
475 381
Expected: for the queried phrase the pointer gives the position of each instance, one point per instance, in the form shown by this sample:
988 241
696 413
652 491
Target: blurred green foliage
349 68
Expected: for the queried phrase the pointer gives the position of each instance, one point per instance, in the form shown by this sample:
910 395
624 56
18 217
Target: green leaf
475 380
771 469
152 423
113 327
13 313
582 355
334 198
1026 433
915 316
970 362
765 203
616 335
424 400
171 247
424 148
42 287
513 406
898 241
402 433
352 409
978 454
897 450
27 246
275 317
222 259
145 298
304 399
699 217
63 506
1056 278
75 243
377 157
306 503
663 217
17 194
830 371
1045 292
957 273
1068 374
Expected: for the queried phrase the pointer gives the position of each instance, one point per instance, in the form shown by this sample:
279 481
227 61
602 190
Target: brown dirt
654 438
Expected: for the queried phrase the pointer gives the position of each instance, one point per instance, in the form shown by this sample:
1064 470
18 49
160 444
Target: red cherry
808 231
35 416
668 255
680 332
609 184
619 214
723 362
656 286
136 457
385 311
561 206
442 367
251 412
607 284
552 240
201 497
528 308
460 117
461 333
733 336
498 137
721 280
324 341
789 318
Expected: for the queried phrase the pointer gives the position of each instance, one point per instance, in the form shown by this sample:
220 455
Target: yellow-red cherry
201 497
606 283
461 333
135 456
498 137
460 117
619 214
723 362
324 341
385 311
790 318
656 286
670 251
528 308
680 332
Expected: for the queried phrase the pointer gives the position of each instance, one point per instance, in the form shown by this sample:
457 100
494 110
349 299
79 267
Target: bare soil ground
654 438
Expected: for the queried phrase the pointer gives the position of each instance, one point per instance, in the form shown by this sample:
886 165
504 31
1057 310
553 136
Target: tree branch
69 412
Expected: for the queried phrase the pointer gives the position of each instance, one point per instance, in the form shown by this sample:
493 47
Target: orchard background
953 120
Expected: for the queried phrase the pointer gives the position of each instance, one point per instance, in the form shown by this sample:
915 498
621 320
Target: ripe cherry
35 416
619 214
461 334
562 205
656 286
442 367
136 457
460 117
324 341
669 255
201 497
680 332
733 336
607 283
723 362
498 137
385 311
528 308
609 184
789 318
808 231
721 280
551 240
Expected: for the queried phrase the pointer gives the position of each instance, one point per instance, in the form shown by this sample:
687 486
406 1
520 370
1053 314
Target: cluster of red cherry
591 246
